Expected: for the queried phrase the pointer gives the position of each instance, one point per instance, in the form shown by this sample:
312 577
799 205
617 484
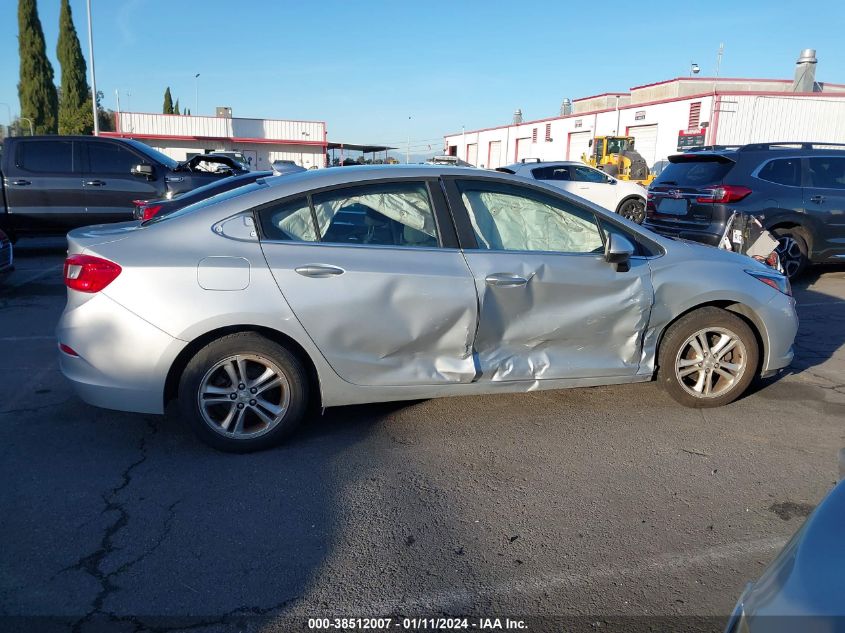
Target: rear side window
827 172
553 172
694 173
391 214
289 221
49 157
783 171
110 158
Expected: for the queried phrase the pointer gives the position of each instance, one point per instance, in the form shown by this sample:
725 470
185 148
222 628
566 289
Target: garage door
579 143
494 155
645 137
472 154
523 148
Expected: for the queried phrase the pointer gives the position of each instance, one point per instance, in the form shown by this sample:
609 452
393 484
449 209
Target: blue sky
366 67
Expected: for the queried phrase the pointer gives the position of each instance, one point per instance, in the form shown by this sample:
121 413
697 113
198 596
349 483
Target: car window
53 157
694 173
508 218
585 174
110 158
552 172
392 214
827 172
289 221
783 171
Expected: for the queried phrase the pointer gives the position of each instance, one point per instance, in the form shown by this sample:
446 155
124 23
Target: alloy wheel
633 210
244 396
710 362
790 254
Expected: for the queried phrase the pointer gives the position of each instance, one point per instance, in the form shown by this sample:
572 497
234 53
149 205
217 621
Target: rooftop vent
805 72
517 116
224 112
565 107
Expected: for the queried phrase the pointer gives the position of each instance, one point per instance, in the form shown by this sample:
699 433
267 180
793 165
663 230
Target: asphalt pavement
597 506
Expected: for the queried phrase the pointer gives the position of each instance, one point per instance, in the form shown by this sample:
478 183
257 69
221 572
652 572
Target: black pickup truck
51 184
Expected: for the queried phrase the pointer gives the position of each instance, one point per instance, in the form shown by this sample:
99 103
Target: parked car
802 589
797 191
385 283
55 183
242 161
625 198
7 256
146 209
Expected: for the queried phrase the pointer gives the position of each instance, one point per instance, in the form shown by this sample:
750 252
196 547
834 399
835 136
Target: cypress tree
168 102
176 109
75 111
36 90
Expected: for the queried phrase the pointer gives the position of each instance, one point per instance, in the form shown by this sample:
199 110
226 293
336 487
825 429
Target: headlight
775 280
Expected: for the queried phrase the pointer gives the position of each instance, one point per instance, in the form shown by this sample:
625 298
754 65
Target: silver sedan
367 284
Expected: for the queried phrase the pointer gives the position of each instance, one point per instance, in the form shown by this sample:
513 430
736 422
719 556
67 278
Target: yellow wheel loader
616 156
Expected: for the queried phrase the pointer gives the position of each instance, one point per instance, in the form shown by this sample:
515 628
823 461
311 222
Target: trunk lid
89 236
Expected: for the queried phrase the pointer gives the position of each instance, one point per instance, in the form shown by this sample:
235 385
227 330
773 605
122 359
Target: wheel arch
792 224
741 310
177 367
630 196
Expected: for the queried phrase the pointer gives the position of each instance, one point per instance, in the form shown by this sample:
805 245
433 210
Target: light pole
31 129
196 93
93 74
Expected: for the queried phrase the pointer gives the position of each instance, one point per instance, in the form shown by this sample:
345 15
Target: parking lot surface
602 502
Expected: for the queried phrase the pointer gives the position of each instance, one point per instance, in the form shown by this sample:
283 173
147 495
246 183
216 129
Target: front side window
391 214
289 221
585 174
110 158
827 172
783 171
508 218
48 157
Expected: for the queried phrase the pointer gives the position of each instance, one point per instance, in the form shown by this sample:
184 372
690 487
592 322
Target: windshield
207 202
694 173
618 145
153 153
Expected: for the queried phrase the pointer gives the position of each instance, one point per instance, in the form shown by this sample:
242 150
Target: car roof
316 178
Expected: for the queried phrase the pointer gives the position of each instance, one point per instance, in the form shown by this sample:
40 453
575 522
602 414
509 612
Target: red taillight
724 193
148 213
86 273
67 349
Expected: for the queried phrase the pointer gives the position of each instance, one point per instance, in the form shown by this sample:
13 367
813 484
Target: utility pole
117 96
93 73
196 94
408 148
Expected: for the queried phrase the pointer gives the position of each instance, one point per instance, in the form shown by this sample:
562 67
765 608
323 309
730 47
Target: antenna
719 58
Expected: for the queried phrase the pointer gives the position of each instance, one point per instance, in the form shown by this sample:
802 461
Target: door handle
319 271
817 199
21 183
505 280
93 183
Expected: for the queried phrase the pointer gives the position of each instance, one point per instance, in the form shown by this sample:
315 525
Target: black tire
632 209
678 355
205 369
792 251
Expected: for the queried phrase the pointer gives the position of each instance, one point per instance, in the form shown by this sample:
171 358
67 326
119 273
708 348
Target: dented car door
551 307
377 280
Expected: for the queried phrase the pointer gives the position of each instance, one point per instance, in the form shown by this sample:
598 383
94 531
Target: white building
261 140
669 116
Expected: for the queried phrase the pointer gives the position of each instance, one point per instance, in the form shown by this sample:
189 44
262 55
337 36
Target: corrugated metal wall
218 127
754 119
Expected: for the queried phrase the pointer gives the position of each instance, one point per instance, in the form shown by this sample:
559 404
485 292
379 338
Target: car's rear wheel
792 251
633 209
243 393
708 358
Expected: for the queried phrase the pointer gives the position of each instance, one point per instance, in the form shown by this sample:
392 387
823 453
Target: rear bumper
122 360
705 235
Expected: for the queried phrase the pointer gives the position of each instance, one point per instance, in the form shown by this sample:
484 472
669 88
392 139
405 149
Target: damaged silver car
370 284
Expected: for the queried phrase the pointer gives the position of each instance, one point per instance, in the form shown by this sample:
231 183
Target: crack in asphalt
92 563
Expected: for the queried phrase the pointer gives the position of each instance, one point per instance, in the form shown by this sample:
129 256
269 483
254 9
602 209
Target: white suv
625 198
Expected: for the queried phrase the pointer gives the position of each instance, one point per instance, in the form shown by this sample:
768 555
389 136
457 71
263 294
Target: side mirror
142 170
611 181
618 251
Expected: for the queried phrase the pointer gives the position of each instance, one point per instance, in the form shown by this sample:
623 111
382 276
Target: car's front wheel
243 393
633 209
708 358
